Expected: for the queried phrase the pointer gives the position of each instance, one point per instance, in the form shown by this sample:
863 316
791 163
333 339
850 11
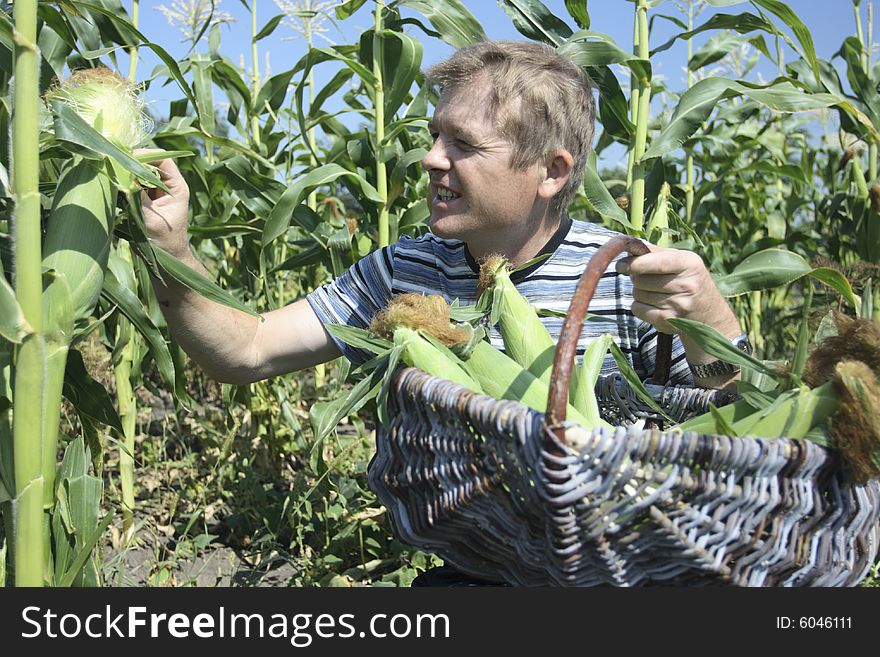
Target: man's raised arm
230 345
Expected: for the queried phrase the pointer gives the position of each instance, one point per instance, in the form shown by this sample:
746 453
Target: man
512 132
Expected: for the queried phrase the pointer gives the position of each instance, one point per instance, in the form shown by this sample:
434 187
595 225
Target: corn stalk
866 65
641 106
30 544
689 164
255 77
379 108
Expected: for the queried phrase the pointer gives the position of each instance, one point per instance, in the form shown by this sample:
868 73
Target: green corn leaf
312 255
279 219
455 24
534 20
588 48
204 90
85 551
131 307
712 342
12 322
71 128
741 23
398 174
229 80
268 28
790 18
195 281
160 52
599 196
324 417
613 105
722 427
403 57
715 49
87 395
348 8
577 9
774 267
359 338
697 104
273 91
632 378
225 142
784 170
339 80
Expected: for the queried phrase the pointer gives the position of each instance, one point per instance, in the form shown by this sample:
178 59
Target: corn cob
487 369
432 357
503 378
78 236
525 337
528 343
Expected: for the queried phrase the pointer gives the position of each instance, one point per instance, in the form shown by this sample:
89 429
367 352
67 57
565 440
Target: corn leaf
715 49
12 322
348 8
534 20
771 268
742 23
131 307
268 28
712 342
781 95
629 374
195 281
87 395
599 196
398 174
578 11
279 219
72 129
790 18
273 92
456 25
613 105
85 551
324 417
403 56
359 338
589 48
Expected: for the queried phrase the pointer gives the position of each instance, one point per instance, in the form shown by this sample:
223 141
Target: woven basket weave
505 493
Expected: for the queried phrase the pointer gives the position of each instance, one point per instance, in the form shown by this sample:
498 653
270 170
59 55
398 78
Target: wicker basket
505 493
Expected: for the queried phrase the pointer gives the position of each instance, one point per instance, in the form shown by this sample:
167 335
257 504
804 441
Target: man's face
474 194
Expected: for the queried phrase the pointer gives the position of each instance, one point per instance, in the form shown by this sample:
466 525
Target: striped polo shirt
431 265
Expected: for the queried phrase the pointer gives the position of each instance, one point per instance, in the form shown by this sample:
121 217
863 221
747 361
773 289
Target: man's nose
436 158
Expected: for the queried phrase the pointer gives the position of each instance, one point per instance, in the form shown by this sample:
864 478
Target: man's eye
464 145
434 136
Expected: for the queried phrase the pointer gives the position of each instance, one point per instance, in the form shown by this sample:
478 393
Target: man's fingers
655 316
659 262
665 283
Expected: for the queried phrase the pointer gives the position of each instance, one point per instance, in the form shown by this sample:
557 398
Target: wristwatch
720 367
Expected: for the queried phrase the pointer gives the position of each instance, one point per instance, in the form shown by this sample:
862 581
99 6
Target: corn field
121 463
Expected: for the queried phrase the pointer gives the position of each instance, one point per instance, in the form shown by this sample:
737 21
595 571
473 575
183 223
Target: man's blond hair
540 100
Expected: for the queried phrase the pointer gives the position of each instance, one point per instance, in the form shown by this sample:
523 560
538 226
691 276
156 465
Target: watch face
742 343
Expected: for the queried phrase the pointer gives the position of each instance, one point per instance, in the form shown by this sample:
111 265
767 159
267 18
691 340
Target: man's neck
521 249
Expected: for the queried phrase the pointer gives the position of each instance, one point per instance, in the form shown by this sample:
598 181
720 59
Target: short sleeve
355 297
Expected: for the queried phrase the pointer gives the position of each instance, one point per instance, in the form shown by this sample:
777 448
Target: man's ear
557 173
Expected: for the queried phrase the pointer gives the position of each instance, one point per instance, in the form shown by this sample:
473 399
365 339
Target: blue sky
830 22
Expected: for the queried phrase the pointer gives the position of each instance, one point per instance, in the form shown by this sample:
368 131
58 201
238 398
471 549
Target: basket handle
574 320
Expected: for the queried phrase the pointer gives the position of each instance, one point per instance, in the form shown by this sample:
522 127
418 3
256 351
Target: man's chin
444 227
